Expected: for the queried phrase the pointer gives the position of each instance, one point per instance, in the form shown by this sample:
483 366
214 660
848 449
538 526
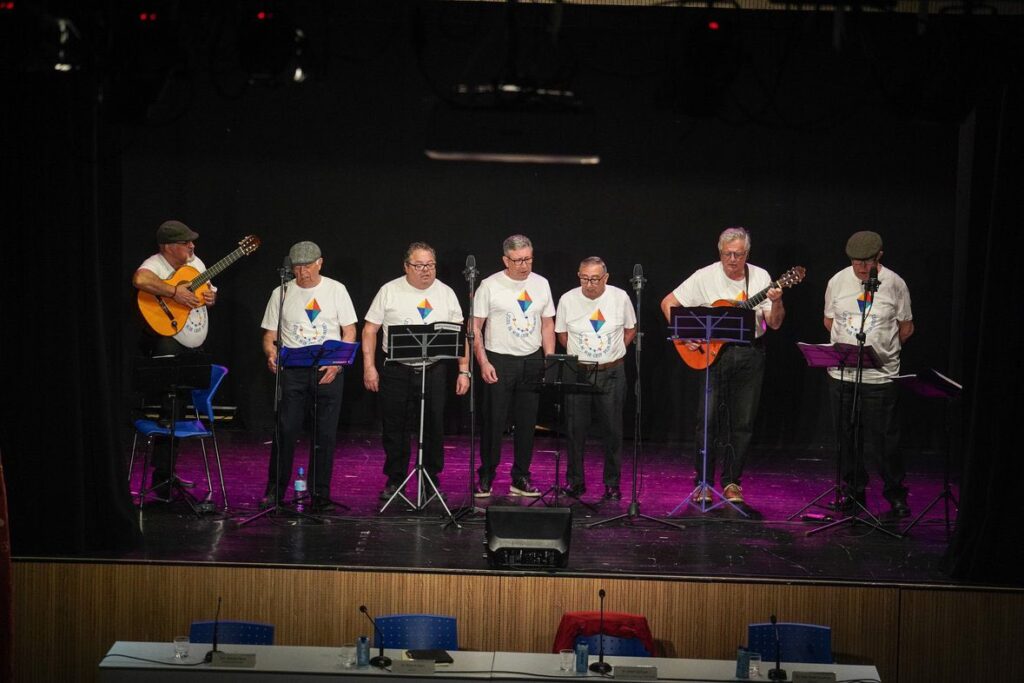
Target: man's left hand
330 372
775 293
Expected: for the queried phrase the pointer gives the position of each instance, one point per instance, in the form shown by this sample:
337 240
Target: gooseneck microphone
470 272
285 271
216 627
601 666
380 661
778 673
871 284
638 278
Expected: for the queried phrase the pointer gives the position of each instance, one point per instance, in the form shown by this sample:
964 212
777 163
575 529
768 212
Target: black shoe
268 501
483 489
388 491
185 483
899 509
612 493
321 504
851 503
524 488
575 490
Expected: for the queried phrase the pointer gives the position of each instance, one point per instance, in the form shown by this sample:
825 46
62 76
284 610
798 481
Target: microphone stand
633 511
778 673
471 273
601 666
216 627
380 661
277 508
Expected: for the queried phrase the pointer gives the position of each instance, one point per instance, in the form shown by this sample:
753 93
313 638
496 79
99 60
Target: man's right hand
371 379
488 373
184 296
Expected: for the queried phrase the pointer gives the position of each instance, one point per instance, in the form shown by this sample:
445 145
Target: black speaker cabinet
528 537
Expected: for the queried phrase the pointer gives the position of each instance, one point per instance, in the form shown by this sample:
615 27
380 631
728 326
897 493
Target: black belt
607 366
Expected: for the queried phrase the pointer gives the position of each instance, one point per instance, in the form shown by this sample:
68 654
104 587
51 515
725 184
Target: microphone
778 673
216 627
285 271
638 278
601 666
871 284
470 272
380 661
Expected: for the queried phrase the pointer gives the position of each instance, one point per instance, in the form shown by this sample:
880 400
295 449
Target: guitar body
706 353
164 315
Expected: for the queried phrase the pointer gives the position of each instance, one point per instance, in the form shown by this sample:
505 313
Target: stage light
713 25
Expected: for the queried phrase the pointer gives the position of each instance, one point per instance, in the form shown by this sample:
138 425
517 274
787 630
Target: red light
152 16
261 15
7 6
143 17
713 25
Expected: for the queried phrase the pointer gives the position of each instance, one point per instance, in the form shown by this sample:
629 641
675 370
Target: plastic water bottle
300 484
363 651
582 657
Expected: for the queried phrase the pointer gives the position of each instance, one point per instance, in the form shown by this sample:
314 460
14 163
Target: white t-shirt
311 316
844 300
595 326
710 283
399 303
513 309
197 325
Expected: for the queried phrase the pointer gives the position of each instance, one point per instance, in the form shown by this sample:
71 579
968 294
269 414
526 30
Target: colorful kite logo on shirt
312 310
425 309
864 301
525 301
597 320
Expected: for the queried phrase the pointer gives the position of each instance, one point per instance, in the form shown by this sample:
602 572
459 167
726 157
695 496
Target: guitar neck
215 269
757 298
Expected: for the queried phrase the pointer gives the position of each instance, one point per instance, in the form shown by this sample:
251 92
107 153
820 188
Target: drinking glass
181 647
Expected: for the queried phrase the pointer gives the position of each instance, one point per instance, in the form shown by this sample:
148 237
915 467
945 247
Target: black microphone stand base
632 514
855 519
777 674
380 662
601 667
279 509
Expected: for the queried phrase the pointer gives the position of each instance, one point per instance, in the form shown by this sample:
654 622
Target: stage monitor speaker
528 537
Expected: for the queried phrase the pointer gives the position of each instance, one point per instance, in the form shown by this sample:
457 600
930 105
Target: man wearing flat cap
175 248
315 309
888 323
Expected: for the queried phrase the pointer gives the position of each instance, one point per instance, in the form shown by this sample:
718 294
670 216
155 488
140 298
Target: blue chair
807 643
417 632
202 400
613 645
232 632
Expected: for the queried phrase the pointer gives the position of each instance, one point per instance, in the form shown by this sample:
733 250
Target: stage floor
718 545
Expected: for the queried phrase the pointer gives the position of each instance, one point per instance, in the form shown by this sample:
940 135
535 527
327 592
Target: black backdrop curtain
60 341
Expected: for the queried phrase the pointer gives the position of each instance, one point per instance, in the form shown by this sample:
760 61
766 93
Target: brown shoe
733 493
701 495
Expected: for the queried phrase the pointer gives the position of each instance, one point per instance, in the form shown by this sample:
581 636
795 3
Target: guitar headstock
793 276
249 244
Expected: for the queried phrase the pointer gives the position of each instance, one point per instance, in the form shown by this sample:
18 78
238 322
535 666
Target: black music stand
933 384
726 324
842 356
169 376
563 374
423 345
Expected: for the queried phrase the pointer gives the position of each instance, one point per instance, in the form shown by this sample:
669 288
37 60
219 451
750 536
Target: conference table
134 662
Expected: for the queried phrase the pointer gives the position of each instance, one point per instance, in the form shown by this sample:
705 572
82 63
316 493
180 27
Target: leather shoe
575 490
268 501
388 491
321 504
612 493
900 508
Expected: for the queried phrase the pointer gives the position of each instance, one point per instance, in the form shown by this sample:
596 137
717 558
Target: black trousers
880 433
400 387
515 388
297 390
735 393
607 403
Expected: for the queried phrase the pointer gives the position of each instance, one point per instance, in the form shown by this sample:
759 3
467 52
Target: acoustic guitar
167 317
707 353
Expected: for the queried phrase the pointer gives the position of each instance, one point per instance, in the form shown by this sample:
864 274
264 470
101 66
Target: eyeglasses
520 261
420 267
733 255
864 261
591 280
184 243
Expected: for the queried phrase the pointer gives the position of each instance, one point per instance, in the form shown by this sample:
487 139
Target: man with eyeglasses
738 371
514 323
417 298
596 322
175 248
888 323
316 309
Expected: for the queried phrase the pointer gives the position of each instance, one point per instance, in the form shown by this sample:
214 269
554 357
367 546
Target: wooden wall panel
68 614
961 636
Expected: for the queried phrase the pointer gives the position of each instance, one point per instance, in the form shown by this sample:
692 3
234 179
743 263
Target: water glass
755 664
348 656
181 647
567 660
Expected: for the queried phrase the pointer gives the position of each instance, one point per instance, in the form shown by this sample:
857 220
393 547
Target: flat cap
302 253
175 231
864 244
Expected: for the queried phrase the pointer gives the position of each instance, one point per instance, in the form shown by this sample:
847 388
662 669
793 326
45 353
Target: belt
608 366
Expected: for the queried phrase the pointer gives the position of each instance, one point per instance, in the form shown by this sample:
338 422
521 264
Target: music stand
314 357
423 345
710 324
171 375
565 375
932 384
